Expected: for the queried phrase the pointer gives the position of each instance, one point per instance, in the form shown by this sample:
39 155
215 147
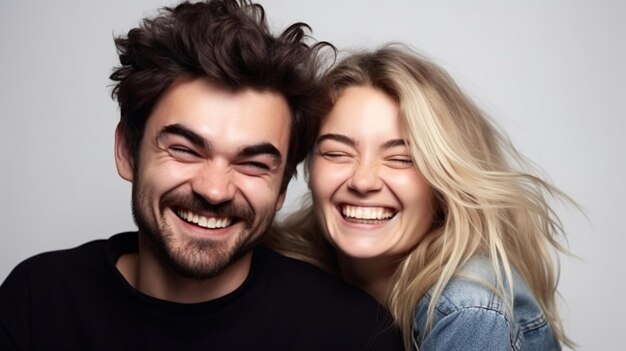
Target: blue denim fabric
470 316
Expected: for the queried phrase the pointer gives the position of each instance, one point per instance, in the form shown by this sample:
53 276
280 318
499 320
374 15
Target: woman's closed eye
400 161
335 156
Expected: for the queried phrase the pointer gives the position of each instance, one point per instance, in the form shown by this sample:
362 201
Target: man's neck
145 272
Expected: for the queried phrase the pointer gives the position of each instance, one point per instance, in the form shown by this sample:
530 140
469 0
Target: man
215 115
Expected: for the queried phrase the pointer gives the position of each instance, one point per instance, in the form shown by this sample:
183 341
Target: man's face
206 181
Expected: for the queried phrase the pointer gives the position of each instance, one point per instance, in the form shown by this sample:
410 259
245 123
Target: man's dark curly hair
227 42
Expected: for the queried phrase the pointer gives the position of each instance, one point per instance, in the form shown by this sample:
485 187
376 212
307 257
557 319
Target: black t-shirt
77 300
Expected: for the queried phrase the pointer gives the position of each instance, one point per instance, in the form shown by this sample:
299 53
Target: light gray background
552 73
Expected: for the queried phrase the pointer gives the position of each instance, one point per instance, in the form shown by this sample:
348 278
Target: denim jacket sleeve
469 329
471 316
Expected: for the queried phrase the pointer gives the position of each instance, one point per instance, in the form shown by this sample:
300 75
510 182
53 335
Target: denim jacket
470 316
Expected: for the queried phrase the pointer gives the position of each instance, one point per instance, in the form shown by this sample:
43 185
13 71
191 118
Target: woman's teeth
357 212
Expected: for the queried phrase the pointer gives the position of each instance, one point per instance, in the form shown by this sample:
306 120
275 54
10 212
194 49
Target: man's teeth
366 212
206 222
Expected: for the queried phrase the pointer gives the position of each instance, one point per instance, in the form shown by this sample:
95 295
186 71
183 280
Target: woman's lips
366 214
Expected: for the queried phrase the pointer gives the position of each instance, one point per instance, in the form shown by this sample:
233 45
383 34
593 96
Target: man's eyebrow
181 130
336 137
262 149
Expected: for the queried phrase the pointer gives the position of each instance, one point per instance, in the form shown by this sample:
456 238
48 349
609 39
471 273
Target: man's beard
194 258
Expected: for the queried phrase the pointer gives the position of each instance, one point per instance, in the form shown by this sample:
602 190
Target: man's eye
182 152
258 165
180 149
254 168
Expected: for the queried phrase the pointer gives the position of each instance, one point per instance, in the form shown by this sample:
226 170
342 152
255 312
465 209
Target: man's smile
212 222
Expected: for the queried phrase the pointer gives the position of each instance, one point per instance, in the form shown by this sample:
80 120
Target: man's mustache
196 203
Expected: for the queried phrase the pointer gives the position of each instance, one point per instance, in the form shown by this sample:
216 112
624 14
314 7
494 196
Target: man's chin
205 260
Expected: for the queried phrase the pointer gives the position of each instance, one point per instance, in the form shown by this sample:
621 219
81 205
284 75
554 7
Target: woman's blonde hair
488 201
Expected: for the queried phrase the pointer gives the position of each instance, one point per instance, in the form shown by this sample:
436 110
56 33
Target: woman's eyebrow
351 142
337 137
393 143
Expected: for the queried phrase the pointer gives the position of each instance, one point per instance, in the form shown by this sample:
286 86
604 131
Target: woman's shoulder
475 286
470 304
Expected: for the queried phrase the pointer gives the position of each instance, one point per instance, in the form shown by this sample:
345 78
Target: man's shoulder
287 266
58 263
320 301
307 278
53 259
301 283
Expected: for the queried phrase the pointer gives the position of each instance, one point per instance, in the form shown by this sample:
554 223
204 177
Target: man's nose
214 182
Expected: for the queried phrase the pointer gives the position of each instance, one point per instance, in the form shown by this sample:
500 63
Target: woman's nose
365 179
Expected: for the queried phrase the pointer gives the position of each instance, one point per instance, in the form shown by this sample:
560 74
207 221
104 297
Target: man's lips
209 222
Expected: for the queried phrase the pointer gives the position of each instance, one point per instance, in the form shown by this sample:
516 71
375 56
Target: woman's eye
400 161
334 155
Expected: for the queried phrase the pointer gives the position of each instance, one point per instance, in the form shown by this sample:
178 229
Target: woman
414 200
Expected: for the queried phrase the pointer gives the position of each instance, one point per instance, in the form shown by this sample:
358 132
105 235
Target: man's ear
123 157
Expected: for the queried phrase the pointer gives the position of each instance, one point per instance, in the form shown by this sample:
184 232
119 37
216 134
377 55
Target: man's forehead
218 114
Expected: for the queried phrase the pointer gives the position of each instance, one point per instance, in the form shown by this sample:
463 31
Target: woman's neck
374 275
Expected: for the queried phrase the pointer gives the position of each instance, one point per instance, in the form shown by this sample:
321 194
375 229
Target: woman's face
370 198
